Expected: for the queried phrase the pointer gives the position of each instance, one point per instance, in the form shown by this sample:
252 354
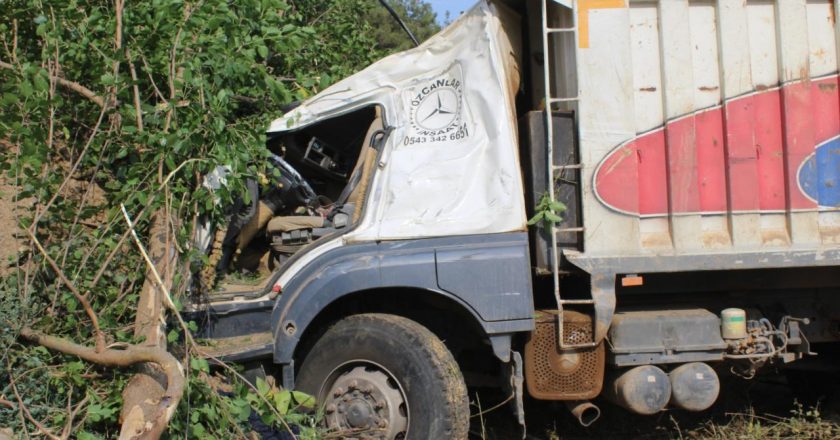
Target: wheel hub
359 414
367 400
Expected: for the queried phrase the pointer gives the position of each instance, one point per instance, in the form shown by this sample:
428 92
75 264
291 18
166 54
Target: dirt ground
12 242
779 403
9 244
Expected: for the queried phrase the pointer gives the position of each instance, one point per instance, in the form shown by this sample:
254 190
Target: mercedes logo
437 110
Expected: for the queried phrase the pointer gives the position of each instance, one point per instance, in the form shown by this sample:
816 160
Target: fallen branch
72 411
99 336
133 354
187 334
25 411
71 85
118 13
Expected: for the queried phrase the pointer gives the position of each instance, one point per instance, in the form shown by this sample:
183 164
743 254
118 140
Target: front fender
488 275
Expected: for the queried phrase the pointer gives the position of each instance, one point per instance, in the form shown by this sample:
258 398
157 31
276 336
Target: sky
455 7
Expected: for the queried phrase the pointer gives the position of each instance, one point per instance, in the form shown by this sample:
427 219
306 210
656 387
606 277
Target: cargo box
708 132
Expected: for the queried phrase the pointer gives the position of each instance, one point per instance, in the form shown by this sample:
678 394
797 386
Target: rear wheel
386 377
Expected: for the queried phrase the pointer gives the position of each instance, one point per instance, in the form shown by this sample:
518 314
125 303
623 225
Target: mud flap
603 293
517 389
288 372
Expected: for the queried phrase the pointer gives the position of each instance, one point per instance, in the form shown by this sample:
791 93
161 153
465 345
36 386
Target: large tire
347 368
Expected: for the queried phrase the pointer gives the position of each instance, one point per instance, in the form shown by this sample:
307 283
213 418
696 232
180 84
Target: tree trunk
140 416
148 414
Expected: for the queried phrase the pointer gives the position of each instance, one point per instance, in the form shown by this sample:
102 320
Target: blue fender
487 275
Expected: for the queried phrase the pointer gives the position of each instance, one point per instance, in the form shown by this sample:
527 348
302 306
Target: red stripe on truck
742 157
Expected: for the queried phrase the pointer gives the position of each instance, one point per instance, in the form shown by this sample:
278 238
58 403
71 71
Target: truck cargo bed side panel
709 128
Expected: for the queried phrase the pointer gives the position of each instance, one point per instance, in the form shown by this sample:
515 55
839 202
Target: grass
801 424
242 278
767 408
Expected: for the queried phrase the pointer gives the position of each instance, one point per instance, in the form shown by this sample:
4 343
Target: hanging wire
399 20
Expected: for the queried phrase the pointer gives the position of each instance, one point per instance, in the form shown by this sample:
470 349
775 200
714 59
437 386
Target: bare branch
71 85
24 410
118 6
151 266
138 113
188 11
100 338
109 357
72 411
14 40
152 79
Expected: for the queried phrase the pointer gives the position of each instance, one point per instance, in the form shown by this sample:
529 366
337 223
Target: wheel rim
365 398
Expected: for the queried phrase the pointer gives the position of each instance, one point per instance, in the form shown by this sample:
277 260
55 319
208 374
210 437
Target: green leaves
303 399
25 89
282 401
235 65
99 412
547 211
263 51
40 82
262 386
199 365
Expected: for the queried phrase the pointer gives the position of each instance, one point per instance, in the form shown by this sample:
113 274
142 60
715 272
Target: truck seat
359 178
290 223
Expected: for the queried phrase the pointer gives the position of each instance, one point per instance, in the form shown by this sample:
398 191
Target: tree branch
100 338
71 85
72 411
188 11
137 110
24 410
109 357
134 354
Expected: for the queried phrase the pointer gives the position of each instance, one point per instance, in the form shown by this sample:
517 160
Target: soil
10 243
12 239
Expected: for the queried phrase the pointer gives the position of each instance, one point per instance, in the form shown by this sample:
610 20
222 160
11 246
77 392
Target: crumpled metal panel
451 164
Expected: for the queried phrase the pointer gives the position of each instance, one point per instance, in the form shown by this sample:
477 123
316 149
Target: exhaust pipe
585 412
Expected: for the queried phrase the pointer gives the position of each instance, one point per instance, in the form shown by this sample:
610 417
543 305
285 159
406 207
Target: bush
111 103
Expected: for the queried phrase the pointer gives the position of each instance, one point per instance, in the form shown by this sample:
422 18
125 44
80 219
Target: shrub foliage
105 103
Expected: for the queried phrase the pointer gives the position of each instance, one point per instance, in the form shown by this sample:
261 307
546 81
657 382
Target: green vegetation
802 424
548 211
389 36
107 103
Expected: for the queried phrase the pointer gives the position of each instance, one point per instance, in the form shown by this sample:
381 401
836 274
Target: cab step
238 348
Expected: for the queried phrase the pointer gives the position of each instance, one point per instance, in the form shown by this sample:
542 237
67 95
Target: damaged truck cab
665 243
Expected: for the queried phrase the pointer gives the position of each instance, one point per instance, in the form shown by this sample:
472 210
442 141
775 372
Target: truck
562 199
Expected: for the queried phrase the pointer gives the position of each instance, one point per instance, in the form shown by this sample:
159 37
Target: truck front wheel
386 377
